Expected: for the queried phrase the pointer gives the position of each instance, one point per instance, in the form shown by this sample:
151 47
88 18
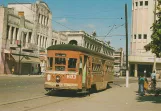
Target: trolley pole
126 29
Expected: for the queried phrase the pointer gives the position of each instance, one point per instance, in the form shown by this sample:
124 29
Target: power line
111 30
76 18
50 19
87 17
121 35
63 25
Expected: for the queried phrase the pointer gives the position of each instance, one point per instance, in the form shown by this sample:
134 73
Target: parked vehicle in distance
117 74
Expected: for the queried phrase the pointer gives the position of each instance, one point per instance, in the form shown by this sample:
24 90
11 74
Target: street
28 94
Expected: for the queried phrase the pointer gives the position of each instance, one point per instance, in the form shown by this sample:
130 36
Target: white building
119 60
32 25
142 20
59 38
81 38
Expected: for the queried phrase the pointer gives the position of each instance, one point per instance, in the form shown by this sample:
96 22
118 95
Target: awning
26 59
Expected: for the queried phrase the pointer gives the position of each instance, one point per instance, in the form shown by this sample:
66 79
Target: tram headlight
57 79
48 77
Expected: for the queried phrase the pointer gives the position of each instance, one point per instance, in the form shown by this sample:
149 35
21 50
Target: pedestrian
13 69
39 69
32 70
145 72
141 84
153 80
146 85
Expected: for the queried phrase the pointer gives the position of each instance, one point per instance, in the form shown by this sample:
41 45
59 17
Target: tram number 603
71 76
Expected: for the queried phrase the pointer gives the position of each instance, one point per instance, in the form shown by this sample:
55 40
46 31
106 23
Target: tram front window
72 63
60 64
60 61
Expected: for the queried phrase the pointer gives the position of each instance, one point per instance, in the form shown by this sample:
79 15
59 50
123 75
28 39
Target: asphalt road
28 94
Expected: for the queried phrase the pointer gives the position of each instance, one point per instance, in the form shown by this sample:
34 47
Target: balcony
12 46
29 47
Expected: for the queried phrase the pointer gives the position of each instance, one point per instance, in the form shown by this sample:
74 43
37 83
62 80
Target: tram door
86 74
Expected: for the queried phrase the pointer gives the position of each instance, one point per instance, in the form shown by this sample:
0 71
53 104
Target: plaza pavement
117 98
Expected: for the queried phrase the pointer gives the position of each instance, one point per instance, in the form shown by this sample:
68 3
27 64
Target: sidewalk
136 78
116 99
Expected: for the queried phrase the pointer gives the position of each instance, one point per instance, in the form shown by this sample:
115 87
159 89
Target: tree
155 44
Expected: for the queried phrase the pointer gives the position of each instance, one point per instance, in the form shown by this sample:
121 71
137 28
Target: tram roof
76 48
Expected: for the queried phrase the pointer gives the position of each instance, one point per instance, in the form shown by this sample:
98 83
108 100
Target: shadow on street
65 93
150 98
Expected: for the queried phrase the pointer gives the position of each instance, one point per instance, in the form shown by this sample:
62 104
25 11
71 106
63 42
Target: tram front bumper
69 86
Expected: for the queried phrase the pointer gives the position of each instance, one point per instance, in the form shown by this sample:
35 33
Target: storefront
28 64
144 65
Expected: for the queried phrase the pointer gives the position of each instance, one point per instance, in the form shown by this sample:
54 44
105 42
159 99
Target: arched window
73 42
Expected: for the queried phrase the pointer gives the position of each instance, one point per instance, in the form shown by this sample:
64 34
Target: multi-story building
142 19
30 25
57 38
83 39
119 60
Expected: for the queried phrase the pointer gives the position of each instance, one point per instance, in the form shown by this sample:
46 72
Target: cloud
90 26
63 20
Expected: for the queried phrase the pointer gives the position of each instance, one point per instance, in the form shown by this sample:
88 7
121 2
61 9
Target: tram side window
72 63
50 62
96 67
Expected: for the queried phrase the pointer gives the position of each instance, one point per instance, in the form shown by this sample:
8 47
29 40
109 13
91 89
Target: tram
71 67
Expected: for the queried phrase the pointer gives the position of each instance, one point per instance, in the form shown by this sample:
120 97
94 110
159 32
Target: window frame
141 3
136 4
139 36
146 3
134 36
145 36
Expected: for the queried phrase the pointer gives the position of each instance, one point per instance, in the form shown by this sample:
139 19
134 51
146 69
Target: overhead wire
87 17
78 18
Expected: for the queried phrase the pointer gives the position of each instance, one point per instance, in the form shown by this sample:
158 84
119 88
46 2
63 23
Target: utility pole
0 46
19 62
126 31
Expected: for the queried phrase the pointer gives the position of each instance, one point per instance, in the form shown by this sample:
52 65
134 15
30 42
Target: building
26 24
26 32
81 38
119 61
142 19
57 38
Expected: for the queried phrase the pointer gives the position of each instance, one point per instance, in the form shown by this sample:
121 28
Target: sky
106 17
